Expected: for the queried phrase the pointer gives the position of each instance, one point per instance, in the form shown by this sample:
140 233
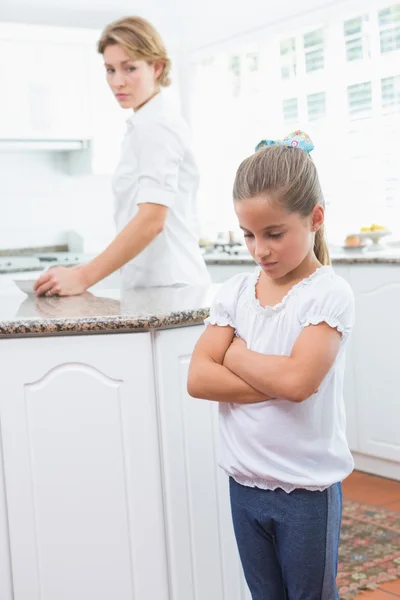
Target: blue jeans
288 543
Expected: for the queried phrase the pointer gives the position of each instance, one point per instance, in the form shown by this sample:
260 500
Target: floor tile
371 489
393 505
391 586
376 595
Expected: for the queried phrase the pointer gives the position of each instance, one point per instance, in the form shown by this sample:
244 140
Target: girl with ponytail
273 356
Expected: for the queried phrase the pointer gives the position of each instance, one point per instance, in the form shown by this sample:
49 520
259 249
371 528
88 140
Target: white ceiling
195 23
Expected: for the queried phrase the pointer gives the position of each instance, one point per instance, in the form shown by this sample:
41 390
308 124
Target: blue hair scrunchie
296 139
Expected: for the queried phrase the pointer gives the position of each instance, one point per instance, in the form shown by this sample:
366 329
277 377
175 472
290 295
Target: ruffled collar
278 307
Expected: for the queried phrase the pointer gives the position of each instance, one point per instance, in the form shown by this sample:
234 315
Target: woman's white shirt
157 166
280 443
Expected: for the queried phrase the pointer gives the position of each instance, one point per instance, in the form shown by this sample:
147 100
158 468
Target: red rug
369 548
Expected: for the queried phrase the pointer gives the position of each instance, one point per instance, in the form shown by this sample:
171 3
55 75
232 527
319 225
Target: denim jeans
288 543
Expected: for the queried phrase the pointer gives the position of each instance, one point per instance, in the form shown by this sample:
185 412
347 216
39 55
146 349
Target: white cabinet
376 359
82 472
6 587
203 559
44 76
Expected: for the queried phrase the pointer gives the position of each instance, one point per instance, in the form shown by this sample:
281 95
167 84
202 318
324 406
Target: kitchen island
109 485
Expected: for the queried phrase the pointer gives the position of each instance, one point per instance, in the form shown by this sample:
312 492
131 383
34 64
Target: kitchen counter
104 311
345 257
109 310
386 255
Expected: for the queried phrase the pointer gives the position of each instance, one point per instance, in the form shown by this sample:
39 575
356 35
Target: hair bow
297 139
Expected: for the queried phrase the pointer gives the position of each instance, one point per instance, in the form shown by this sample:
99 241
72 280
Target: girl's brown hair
140 40
289 175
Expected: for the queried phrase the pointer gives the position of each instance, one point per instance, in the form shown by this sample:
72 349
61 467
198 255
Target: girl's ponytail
321 247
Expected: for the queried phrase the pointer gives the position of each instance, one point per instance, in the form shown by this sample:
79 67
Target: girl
155 182
273 355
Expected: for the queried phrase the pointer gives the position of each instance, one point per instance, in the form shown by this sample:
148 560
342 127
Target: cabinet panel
82 469
377 377
202 550
45 94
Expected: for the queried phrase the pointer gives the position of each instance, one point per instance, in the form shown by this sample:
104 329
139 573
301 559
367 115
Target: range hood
55 145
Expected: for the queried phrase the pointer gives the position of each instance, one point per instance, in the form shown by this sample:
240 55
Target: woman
155 182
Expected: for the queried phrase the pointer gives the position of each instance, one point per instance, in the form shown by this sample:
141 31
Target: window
359 99
355 38
235 69
390 89
316 106
391 183
252 61
389 25
314 50
343 104
288 58
290 110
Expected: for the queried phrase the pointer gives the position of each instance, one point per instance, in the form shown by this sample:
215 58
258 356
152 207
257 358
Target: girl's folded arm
295 377
209 379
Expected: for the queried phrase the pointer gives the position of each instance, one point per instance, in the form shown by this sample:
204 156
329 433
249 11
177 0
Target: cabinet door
81 457
202 551
60 94
5 558
15 72
376 362
45 94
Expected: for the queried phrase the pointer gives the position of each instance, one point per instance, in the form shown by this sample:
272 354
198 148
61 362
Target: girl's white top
280 443
157 166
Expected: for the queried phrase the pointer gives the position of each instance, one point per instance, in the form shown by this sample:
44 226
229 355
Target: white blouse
157 166
280 443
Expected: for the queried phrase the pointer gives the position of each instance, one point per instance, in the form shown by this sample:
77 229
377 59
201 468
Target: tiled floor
382 492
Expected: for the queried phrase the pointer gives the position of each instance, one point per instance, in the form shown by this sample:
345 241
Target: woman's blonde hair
140 40
289 175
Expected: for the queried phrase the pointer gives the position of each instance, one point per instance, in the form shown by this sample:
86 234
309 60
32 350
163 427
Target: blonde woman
156 179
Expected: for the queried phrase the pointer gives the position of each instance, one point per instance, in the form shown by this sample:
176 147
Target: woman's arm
135 237
295 377
209 379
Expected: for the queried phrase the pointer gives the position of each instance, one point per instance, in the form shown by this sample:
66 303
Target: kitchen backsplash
40 202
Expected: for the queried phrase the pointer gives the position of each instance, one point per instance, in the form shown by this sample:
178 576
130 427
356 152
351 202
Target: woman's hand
233 353
61 281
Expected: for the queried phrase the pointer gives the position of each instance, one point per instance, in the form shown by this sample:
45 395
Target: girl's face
279 241
133 82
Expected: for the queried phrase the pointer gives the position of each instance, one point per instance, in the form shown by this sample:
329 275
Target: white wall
40 202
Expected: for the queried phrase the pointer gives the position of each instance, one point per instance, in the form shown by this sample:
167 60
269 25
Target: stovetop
38 262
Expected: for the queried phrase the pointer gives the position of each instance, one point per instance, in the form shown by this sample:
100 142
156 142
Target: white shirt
157 166
280 443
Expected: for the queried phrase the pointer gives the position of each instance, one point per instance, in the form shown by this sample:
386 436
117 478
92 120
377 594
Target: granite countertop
388 255
104 311
345 257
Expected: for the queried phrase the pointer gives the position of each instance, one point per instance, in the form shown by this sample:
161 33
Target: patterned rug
369 548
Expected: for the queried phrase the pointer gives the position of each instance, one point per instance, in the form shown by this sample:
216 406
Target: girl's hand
61 281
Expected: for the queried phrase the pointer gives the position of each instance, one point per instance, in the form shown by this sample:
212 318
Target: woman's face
133 82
